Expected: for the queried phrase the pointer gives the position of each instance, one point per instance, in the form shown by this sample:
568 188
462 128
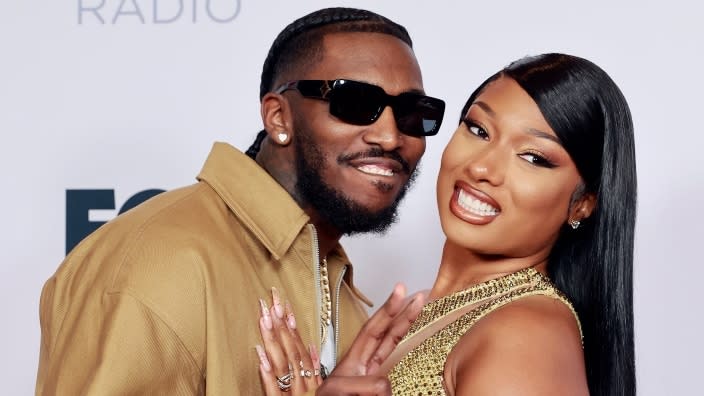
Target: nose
384 132
487 165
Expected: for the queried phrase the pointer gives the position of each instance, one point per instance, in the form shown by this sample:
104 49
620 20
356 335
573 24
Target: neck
328 236
461 268
276 161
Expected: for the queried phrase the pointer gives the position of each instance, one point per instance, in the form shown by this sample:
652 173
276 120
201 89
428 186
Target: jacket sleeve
121 347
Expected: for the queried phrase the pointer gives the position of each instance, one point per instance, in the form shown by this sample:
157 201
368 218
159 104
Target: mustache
376 152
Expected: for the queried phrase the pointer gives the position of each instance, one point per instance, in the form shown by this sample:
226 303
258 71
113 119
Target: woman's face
505 181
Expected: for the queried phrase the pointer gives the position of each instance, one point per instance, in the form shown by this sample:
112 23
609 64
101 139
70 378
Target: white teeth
475 206
375 170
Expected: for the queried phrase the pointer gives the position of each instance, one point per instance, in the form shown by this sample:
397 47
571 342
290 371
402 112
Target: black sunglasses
360 103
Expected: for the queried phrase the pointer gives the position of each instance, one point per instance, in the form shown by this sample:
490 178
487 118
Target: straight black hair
592 265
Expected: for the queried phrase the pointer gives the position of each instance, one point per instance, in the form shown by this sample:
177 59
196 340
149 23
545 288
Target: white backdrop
128 95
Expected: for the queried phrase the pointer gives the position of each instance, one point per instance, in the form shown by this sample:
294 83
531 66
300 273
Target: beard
334 206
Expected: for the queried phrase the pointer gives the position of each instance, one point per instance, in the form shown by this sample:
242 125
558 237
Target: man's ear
276 116
582 208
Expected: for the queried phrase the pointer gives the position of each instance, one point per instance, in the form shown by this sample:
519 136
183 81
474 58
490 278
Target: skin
388 62
378 59
358 372
531 346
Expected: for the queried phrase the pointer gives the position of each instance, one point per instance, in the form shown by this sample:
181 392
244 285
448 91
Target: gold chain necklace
326 309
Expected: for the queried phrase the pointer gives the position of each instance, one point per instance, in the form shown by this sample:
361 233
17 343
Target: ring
284 382
306 373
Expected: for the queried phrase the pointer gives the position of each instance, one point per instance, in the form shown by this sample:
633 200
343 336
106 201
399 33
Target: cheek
449 162
545 197
414 148
454 154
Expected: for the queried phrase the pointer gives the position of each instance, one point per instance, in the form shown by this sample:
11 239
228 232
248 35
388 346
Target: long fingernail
399 289
278 309
263 359
291 320
314 356
266 318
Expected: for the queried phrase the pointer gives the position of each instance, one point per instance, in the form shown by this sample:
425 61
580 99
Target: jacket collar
258 200
263 206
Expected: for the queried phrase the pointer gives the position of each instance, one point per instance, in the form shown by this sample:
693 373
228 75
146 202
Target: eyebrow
485 107
544 135
532 131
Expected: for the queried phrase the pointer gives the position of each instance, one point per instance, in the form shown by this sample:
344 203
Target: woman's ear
581 209
276 116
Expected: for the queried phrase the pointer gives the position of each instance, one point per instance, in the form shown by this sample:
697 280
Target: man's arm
122 347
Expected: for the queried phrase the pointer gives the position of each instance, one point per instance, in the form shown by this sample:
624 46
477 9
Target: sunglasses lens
418 115
356 103
361 104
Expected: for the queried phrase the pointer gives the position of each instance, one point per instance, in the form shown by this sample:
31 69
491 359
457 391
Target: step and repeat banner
105 103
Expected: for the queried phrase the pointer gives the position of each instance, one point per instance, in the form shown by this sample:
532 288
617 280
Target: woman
537 197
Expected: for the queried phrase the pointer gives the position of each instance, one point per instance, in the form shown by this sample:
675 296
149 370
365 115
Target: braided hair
300 44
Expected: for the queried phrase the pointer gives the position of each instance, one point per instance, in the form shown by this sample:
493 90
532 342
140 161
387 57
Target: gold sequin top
420 372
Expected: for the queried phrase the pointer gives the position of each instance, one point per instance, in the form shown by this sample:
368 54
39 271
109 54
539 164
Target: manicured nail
399 289
418 300
266 318
291 320
265 365
278 309
314 356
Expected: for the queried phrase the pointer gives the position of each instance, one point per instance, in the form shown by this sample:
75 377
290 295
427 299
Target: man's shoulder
157 236
166 217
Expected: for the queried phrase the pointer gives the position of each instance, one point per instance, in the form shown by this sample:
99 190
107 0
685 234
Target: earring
574 224
283 137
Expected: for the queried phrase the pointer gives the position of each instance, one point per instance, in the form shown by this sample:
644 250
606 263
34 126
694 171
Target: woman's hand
286 365
357 372
381 333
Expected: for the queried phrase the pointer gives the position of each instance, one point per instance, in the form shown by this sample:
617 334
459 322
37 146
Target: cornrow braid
333 20
253 150
301 41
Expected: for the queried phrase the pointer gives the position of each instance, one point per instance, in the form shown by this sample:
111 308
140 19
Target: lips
377 166
472 205
372 169
376 162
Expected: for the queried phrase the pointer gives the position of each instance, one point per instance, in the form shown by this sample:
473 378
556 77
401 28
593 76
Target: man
165 299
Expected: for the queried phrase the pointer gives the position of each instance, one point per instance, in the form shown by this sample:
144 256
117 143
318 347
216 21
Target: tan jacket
163 300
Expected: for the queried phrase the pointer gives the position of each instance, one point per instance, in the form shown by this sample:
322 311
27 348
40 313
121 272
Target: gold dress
420 372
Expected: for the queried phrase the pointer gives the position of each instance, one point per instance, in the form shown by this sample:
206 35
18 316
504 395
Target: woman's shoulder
530 346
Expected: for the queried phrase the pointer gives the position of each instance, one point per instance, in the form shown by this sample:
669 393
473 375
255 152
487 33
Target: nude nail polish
266 318
276 298
263 359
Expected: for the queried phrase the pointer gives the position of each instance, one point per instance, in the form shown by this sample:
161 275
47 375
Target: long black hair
300 44
592 265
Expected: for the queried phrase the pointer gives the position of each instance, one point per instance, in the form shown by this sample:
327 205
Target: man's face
354 176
